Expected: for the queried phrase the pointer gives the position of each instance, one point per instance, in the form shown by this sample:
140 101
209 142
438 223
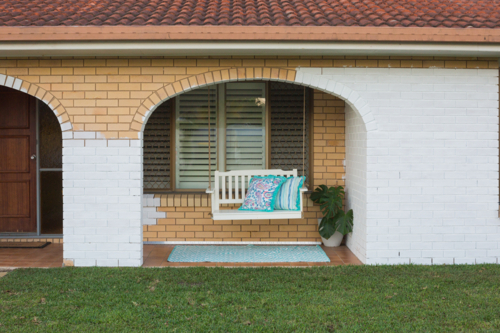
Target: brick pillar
102 188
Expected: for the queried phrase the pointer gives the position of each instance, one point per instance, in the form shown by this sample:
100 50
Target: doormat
250 253
23 245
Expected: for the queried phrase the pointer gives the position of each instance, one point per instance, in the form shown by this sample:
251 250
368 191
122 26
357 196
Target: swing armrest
209 191
304 189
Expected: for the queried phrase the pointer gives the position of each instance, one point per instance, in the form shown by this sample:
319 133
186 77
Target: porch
155 256
372 130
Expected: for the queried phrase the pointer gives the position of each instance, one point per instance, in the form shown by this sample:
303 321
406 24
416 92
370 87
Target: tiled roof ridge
359 13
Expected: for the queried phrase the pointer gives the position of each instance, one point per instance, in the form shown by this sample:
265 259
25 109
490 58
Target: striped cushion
288 195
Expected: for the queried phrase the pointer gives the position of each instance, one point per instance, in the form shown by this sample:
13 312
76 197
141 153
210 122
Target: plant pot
334 240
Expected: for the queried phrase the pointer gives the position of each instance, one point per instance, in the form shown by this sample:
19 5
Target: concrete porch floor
49 256
156 256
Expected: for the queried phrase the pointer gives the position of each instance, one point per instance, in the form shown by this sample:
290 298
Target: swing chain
304 135
209 146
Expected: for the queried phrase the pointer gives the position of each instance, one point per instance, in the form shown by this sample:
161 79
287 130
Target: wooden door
17 168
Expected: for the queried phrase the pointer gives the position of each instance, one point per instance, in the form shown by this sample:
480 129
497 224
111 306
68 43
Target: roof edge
248 33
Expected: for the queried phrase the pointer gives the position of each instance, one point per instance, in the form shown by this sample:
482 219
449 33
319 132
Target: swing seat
230 188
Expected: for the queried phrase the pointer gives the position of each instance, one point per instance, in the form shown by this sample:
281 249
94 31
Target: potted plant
335 223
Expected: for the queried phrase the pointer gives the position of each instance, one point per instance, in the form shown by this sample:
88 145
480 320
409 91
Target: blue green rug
249 253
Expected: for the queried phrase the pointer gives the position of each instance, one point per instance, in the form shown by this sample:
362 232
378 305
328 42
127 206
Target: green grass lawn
324 299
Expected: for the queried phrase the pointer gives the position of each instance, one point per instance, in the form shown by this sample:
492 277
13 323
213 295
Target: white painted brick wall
102 188
150 215
432 163
355 188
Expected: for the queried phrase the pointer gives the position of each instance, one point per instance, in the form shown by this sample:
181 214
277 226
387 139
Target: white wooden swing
238 181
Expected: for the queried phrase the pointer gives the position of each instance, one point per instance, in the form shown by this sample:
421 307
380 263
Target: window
245 122
237 131
246 132
191 137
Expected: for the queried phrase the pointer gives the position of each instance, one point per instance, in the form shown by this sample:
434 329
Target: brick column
102 188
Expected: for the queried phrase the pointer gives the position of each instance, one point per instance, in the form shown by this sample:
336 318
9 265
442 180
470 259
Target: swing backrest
232 185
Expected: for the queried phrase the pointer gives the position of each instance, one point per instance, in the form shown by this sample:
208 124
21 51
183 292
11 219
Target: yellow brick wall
22 240
188 219
328 140
110 95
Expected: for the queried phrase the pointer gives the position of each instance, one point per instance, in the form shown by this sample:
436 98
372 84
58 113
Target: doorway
30 166
17 162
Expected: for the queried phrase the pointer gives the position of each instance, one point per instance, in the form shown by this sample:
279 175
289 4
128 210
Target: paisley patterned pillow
261 193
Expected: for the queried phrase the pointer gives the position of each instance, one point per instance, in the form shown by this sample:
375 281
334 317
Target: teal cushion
261 193
288 197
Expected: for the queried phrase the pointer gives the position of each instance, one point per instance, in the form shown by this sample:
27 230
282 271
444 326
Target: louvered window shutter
245 126
192 138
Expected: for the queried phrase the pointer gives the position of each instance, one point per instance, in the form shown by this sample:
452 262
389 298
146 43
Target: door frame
38 193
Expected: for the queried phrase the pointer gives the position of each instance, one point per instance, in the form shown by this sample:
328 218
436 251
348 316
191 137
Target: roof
332 13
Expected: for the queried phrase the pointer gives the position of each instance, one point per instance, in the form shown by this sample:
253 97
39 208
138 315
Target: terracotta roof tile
387 13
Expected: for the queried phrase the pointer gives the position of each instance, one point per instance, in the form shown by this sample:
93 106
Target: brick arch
253 73
42 95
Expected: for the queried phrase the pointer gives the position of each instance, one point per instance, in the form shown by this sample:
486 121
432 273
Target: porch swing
238 181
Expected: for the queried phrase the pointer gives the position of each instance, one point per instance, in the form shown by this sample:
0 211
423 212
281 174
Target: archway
359 121
315 81
31 172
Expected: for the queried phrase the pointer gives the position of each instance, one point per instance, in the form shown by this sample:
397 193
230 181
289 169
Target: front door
17 161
